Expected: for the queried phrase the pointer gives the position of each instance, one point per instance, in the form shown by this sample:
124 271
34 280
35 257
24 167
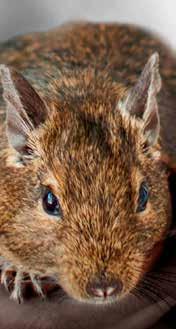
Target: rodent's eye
51 204
143 197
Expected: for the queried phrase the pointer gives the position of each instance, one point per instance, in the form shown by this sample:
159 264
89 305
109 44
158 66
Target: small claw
6 272
17 290
37 284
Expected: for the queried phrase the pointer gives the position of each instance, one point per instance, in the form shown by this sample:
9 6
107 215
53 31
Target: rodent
88 142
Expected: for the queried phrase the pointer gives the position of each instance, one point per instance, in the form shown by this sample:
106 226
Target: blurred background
21 16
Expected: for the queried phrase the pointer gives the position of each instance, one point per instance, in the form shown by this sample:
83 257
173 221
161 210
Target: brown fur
91 155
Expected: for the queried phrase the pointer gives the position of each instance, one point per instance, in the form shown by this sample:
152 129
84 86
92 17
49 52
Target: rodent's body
89 154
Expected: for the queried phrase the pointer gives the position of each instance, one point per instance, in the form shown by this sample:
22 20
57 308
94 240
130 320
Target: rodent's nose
104 288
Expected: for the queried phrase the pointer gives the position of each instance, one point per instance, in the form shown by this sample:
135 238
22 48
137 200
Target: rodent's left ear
25 109
141 101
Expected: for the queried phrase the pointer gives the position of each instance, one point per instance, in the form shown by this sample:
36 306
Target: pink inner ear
152 122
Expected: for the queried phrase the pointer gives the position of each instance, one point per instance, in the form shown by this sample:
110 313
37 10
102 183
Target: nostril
104 288
110 291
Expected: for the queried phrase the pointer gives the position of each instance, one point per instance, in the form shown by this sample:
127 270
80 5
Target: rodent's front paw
15 281
20 280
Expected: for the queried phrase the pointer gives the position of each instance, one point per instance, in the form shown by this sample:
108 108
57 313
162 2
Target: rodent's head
87 194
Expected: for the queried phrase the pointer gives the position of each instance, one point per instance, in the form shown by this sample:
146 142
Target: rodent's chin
101 301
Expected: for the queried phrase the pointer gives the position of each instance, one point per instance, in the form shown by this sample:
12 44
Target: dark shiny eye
51 204
143 197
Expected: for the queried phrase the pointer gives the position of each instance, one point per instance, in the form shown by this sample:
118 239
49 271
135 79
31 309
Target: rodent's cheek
31 241
138 265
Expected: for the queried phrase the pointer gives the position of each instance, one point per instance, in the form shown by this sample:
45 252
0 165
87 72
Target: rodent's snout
104 288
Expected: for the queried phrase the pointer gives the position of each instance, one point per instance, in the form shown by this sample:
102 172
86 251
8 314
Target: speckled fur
90 155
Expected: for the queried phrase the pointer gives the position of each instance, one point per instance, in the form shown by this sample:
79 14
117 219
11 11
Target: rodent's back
120 49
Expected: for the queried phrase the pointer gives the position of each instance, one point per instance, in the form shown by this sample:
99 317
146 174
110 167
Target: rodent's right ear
141 101
25 109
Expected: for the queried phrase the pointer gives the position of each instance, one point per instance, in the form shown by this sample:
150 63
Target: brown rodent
88 140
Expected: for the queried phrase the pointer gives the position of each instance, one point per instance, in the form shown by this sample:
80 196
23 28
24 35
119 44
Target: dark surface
56 314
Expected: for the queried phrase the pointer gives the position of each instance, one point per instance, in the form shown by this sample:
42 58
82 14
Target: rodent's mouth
102 300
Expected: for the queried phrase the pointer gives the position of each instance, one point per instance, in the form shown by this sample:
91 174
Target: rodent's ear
25 109
141 101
